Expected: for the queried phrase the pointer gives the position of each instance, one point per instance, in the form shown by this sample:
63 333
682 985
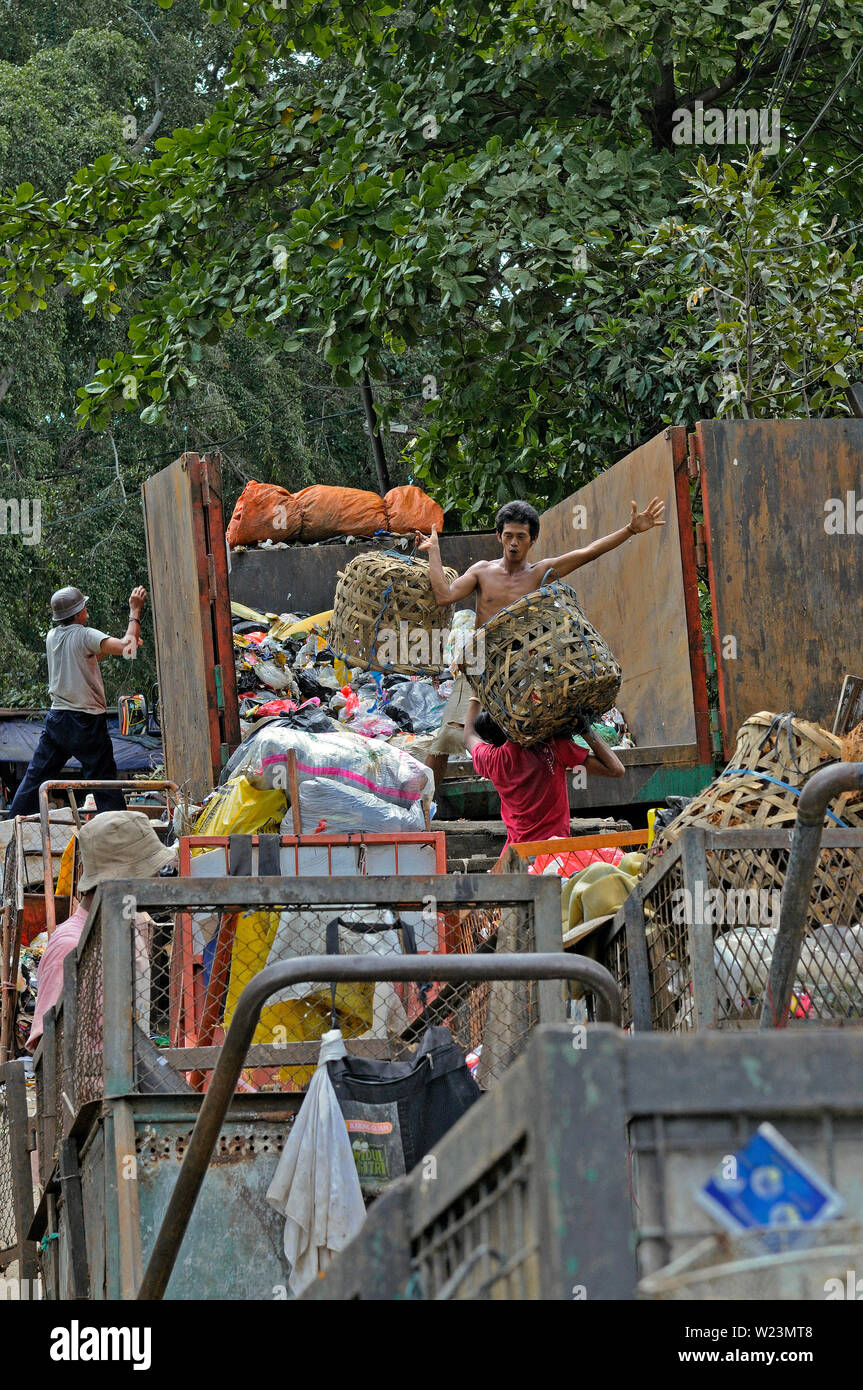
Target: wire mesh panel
249 923
484 1246
746 887
89 1025
62 1104
8 1229
665 957
708 915
16 1178
383 1019
44 1136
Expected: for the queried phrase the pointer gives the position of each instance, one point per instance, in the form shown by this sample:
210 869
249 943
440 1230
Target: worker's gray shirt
74 678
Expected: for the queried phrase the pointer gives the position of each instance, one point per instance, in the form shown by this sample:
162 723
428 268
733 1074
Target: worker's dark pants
70 734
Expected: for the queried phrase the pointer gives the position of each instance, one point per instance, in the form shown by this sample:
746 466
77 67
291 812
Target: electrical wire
764 42
824 109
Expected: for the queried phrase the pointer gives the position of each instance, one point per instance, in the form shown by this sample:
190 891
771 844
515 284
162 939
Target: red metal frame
686 532
711 579
187 1002
208 519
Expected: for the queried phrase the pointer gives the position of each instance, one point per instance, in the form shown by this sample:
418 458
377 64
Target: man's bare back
499 583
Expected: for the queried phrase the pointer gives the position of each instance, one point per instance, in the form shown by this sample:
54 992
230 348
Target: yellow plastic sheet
238 808
290 1020
64 878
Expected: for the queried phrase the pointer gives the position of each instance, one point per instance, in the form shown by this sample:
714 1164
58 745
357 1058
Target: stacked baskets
774 757
383 607
544 665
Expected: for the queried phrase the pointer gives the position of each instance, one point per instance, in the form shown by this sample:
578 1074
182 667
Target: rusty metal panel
305 576
175 597
635 595
784 586
235 1242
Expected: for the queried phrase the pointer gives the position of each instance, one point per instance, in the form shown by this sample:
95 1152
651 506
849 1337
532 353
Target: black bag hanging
397 1111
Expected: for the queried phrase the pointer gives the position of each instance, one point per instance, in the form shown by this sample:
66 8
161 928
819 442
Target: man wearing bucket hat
76 725
118 844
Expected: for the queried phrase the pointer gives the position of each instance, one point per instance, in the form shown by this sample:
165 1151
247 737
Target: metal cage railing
692 945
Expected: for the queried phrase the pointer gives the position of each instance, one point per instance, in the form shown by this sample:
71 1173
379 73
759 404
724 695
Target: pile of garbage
285 667
360 737
28 966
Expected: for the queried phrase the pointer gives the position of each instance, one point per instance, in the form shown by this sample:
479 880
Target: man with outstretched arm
76 725
499 583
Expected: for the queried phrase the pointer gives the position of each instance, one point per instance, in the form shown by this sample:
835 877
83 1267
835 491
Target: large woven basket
775 756
544 664
385 615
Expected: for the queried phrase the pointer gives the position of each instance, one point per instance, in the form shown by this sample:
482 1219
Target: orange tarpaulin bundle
334 511
410 509
265 511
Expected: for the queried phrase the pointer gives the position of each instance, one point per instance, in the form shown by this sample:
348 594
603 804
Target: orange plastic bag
411 509
264 512
334 511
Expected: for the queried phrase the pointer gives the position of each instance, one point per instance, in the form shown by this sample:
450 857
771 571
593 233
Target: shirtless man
498 583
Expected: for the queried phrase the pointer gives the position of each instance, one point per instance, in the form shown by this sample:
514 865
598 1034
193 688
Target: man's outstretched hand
651 516
426 542
137 599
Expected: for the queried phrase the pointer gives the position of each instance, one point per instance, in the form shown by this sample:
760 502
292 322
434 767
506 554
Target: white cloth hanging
315 1186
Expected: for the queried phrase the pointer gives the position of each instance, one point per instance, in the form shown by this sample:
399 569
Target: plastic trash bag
310 687
341 757
459 639
372 725
276 677
238 808
421 703
346 808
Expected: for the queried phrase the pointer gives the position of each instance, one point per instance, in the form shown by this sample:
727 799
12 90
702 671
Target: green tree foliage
80 83
490 193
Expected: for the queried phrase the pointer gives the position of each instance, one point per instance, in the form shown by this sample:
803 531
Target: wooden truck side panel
643 598
785 588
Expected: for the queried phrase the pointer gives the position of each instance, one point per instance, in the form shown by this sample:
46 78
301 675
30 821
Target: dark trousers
70 734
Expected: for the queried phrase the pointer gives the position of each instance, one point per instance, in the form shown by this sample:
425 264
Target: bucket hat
120 844
65 603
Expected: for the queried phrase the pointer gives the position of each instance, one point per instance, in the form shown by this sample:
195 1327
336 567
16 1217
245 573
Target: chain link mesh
8 1232
62 1115
189 978
748 889
739 906
88 1080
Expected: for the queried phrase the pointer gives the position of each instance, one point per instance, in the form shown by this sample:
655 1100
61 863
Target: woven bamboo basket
774 757
385 615
544 664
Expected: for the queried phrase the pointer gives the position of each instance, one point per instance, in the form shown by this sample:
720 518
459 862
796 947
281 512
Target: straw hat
120 844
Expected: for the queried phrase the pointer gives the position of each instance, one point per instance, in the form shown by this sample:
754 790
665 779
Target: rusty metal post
306 969
815 797
44 815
